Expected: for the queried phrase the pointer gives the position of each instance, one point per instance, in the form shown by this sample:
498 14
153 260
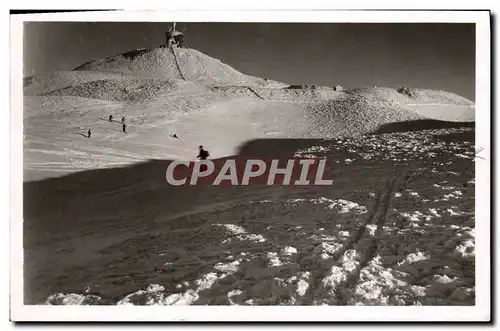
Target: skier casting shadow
203 155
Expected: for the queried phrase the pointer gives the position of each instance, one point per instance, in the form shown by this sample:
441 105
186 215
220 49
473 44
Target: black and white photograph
341 163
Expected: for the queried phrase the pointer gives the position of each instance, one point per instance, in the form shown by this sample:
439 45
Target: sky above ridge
424 55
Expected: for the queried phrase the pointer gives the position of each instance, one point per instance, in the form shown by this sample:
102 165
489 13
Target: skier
124 127
203 155
123 120
88 134
175 136
110 118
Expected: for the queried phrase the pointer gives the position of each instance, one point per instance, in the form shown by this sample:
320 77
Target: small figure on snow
110 118
175 136
88 134
124 128
203 155
123 120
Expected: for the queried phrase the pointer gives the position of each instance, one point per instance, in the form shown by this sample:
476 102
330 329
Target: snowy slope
402 236
221 118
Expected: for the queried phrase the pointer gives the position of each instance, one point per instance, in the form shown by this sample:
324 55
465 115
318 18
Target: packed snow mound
119 90
291 93
354 116
429 104
361 111
138 98
307 93
174 63
434 96
409 96
149 61
52 108
48 82
379 94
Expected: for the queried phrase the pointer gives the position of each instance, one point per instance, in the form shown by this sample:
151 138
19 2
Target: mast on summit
173 37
